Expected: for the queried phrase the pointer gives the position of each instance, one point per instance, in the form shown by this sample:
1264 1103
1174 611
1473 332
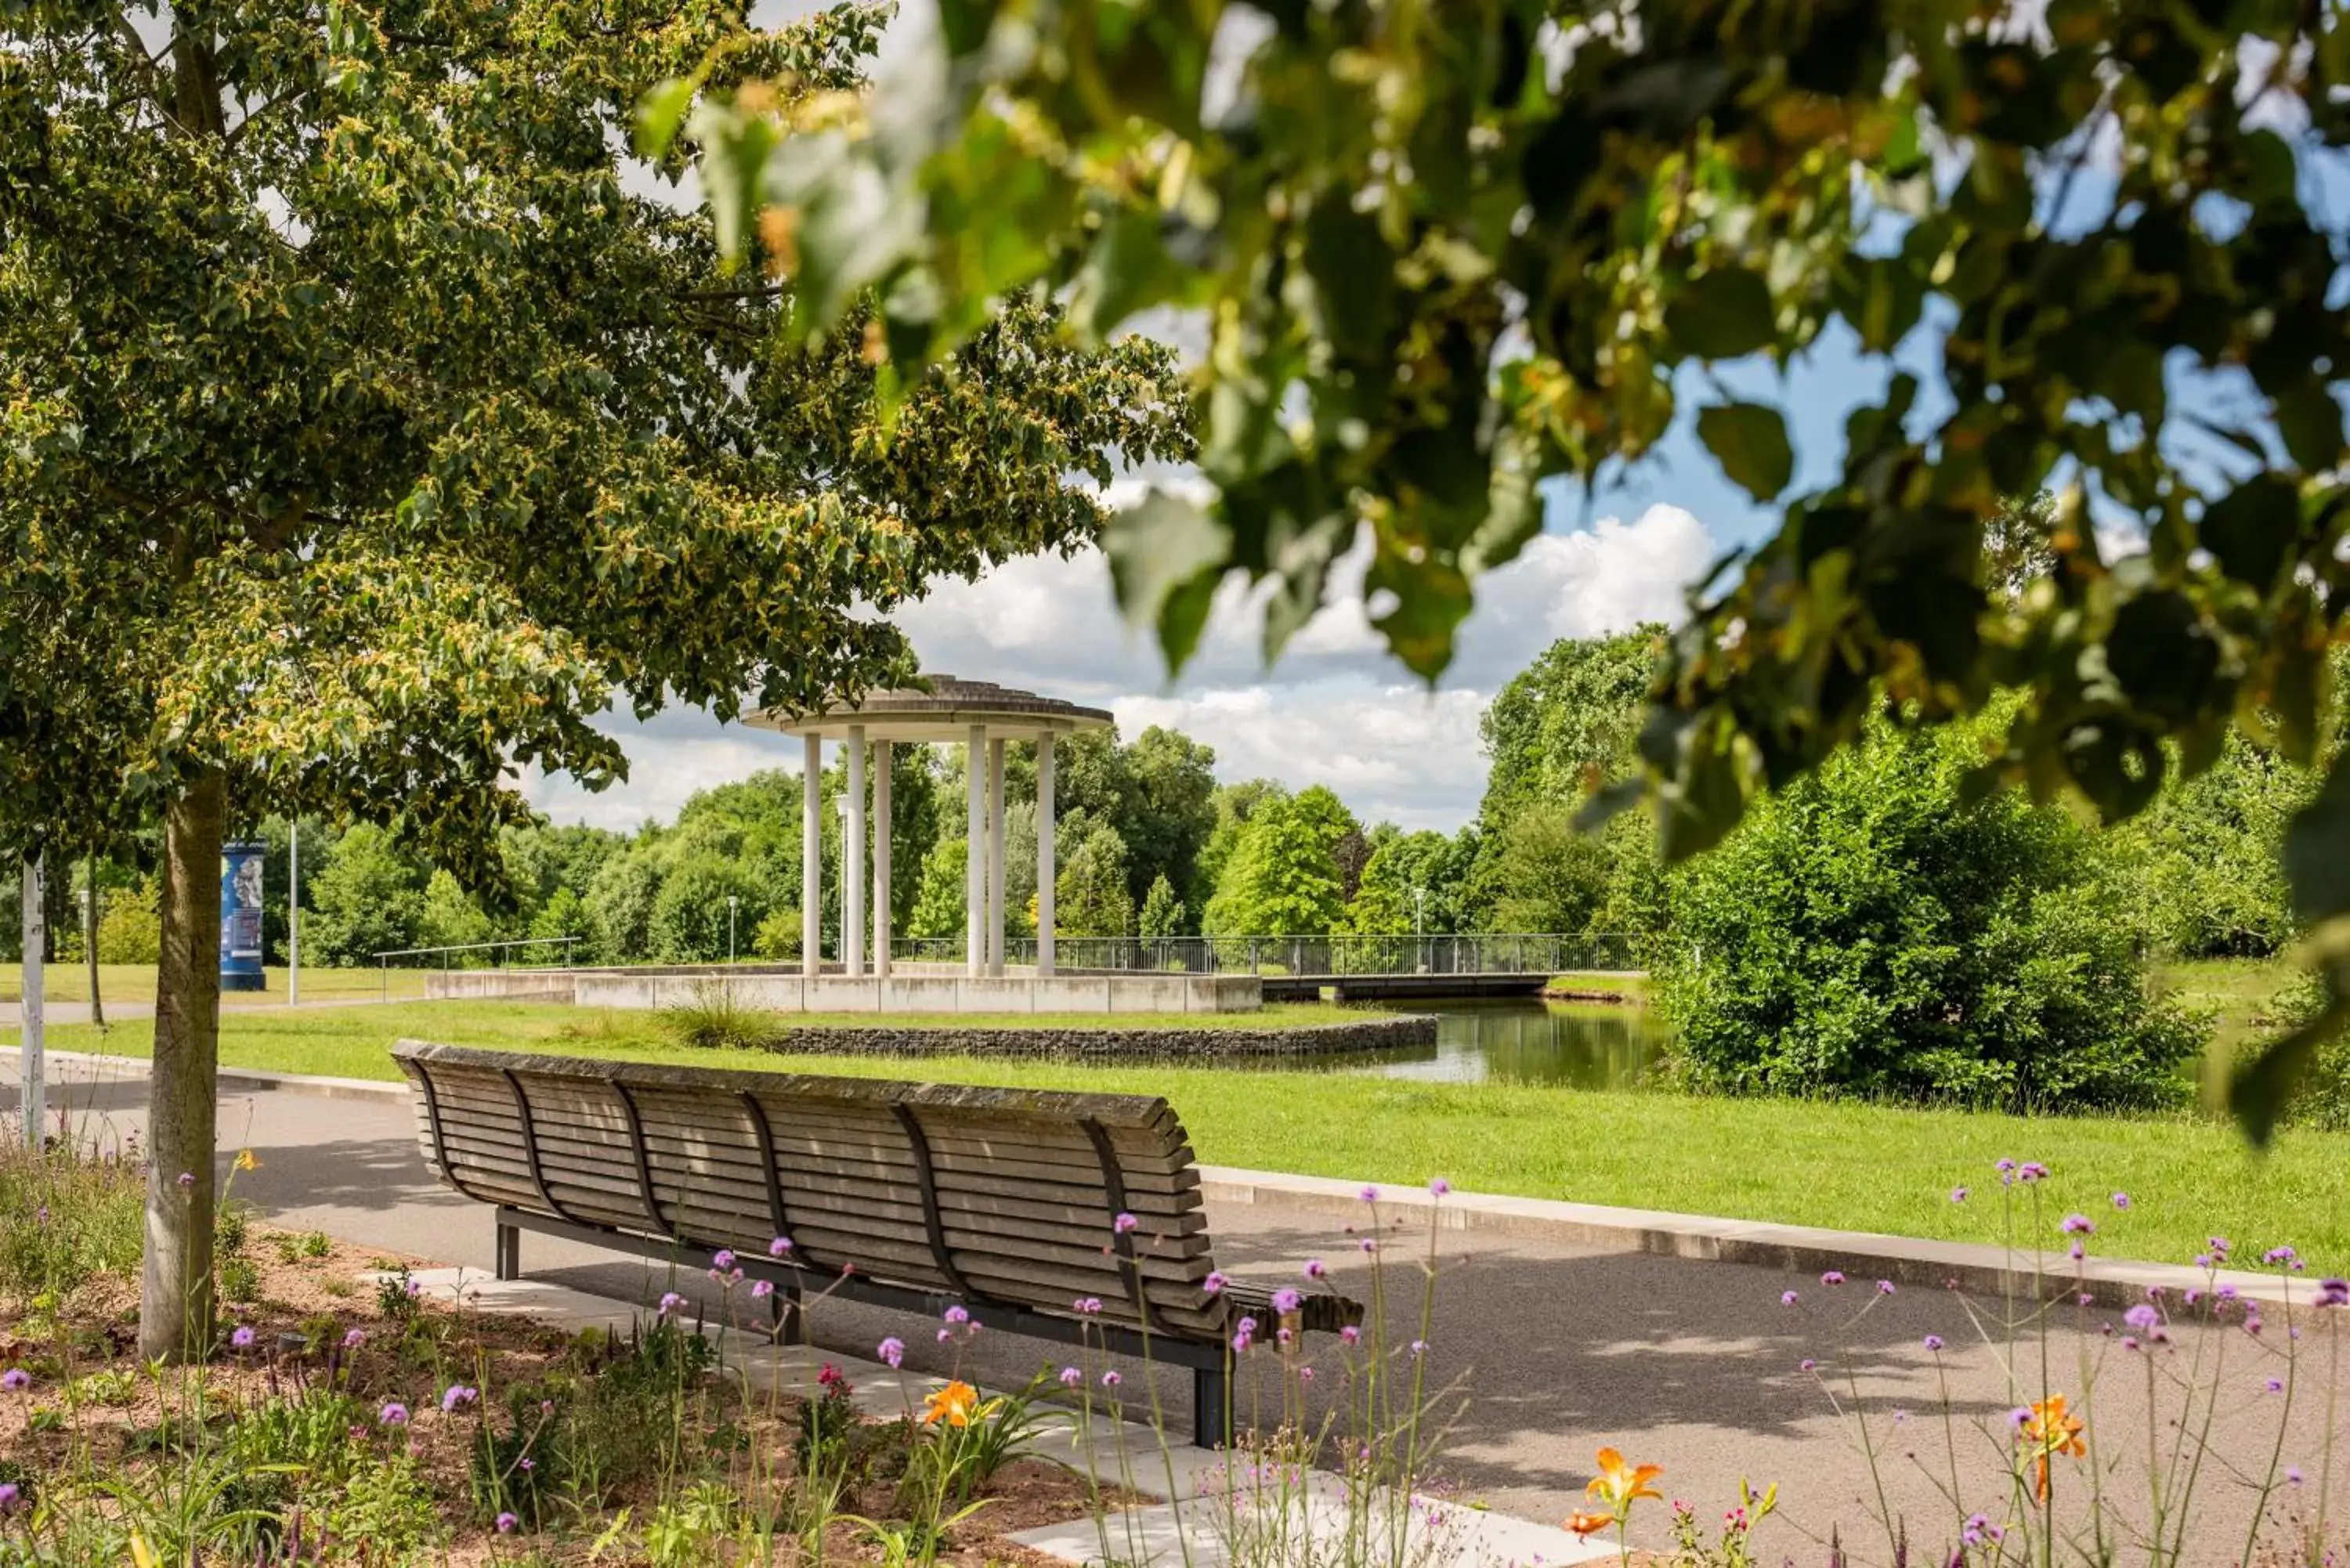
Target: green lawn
2233 991
1858 1167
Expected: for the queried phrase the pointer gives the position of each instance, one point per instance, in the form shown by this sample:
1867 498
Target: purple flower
2274 1386
1808 1365
2018 1416
16 1380
670 1301
2078 1225
1419 1348
1788 1298
1350 1335
1110 1379
1934 1342
526 1463
1957 1195
187 1180
243 1338
458 1394
2292 1475
354 1338
721 1260
1088 1306
2005 1168
2284 1257
2142 1318
1885 1287
1216 1280
507 1522
2032 1170
1314 1269
762 1289
956 1317
1123 1223
779 1246
1285 1300
1833 1277
893 1352
9 1493
1369 1195
2334 1292
1071 1376
2121 1200
1369 1245
394 1414
1439 1186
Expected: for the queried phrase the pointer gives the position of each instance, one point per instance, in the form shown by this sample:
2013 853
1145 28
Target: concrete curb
1864 1256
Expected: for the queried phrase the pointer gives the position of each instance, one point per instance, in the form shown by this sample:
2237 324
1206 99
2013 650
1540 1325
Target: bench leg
1211 1406
509 1252
791 1323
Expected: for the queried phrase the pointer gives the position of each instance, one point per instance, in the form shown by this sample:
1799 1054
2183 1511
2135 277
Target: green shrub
714 1020
1871 931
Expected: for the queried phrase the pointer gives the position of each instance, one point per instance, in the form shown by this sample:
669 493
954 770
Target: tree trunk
90 944
175 1301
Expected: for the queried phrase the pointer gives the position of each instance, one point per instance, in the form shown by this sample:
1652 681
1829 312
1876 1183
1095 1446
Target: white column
996 856
974 864
812 857
852 862
1044 855
32 1064
881 859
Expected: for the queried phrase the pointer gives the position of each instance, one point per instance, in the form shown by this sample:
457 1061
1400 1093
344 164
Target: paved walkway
1548 1350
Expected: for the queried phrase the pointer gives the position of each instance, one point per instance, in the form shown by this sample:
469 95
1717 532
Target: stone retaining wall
1201 1045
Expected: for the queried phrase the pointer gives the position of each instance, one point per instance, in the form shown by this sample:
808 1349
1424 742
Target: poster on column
240 907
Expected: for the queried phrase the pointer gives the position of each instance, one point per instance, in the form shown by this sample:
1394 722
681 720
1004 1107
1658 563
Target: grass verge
67 979
1856 1166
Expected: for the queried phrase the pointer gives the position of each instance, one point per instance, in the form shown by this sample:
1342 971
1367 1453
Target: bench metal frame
1211 1364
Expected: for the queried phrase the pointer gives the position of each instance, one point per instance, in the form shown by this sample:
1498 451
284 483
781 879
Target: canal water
1591 1045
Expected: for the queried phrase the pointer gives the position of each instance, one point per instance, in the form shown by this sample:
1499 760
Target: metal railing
1480 952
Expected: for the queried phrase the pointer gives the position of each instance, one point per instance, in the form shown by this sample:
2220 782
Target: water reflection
1587 1045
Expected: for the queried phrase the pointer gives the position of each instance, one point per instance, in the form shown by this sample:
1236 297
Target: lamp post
1420 928
294 911
732 903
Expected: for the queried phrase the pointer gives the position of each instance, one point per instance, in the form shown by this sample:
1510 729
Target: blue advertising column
240 952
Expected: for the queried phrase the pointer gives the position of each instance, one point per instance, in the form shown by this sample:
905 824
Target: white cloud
1337 709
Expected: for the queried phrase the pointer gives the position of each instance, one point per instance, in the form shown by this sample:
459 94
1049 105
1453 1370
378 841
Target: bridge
1345 967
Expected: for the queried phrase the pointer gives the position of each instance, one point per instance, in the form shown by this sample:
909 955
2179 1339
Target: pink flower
891 1351
1124 1223
1215 1282
1439 1187
779 1246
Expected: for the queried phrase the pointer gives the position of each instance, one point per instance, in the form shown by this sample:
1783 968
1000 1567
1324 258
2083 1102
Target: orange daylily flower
2047 1431
1585 1522
1618 1481
952 1404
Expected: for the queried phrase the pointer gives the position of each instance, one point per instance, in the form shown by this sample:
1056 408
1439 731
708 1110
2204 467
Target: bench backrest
997 1195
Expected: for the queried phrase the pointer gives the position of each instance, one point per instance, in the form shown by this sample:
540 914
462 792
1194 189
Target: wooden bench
919 1195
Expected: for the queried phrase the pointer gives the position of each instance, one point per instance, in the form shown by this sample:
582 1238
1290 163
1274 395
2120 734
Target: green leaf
1722 315
2311 422
2259 1090
2250 530
1127 270
1749 442
659 113
2317 849
1160 551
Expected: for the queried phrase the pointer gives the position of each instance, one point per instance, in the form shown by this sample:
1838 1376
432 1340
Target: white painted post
996 856
293 912
812 857
32 1034
1044 855
852 862
974 864
881 859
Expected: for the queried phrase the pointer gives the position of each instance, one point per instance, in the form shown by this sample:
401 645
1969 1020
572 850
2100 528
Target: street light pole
293 912
733 901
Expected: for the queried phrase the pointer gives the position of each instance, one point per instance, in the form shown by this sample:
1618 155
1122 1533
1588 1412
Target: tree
690 917
1166 812
1234 804
1443 265
368 899
1162 912
1541 874
1872 931
1281 880
1089 893
939 906
2206 854
1412 883
370 435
